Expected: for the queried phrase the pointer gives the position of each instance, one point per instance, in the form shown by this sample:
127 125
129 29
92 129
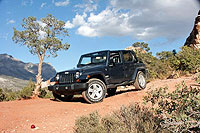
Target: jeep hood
84 69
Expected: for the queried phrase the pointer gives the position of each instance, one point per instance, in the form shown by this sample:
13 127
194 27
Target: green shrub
187 60
89 124
2 95
156 68
27 91
45 93
132 119
10 96
179 110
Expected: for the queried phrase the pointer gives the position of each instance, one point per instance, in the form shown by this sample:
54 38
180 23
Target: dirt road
54 116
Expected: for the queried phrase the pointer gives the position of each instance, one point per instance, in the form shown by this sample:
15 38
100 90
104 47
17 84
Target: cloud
62 3
88 6
140 19
78 20
68 25
27 2
42 34
11 21
43 4
42 24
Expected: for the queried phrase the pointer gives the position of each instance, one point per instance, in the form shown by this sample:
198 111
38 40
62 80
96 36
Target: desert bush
10 95
131 119
197 78
45 93
186 60
189 59
179 110
27 91
156 67
89 124
2 95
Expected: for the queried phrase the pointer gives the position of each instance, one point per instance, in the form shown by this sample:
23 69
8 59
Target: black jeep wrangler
99 73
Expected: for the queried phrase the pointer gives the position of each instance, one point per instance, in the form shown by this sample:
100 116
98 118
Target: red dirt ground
55 116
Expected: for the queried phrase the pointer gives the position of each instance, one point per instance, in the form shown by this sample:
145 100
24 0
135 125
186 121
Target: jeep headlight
77 75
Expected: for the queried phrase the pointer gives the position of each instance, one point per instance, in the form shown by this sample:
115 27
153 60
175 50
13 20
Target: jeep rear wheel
96 91
140 81
62 98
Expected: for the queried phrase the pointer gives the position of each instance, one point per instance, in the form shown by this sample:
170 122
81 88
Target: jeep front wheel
140 81
96 91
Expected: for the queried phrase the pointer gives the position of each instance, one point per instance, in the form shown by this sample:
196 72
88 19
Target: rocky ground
54 116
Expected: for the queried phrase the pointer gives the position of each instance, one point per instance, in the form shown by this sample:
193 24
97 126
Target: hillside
14 74
12 83
10 66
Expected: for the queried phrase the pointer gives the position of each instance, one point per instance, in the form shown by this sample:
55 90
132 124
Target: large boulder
194 39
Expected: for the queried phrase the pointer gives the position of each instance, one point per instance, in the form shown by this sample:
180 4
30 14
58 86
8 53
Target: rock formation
135 49
10 66
194 39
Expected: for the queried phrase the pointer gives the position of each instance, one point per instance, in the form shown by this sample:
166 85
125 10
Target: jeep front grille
67 78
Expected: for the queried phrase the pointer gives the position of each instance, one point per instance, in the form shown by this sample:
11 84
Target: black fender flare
96 74
143 69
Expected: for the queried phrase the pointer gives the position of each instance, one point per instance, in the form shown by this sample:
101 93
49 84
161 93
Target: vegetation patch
25 93
177 111
131 119
168 64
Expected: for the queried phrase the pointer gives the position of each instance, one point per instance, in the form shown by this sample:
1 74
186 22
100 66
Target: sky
95 25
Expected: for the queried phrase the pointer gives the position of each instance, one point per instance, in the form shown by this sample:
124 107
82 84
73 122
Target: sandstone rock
194 39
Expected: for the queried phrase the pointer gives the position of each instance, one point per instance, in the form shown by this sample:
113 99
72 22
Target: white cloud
79 19
27 2
42 24
87 31
43 4
11 21
62 3
88 6
42 34
140 19
68 25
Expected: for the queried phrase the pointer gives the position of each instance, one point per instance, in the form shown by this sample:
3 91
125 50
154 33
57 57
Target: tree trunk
38 80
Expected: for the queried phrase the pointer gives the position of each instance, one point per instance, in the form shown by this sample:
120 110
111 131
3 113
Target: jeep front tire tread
96 91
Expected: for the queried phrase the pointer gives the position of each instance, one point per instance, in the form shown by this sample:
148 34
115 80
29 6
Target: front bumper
66 89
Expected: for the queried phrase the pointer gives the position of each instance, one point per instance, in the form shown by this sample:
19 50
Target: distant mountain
12 67
12 83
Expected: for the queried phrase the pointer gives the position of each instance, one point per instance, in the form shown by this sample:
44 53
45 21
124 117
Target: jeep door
116 71
129 64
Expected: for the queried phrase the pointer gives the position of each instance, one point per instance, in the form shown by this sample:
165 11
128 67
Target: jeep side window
128 57
115 57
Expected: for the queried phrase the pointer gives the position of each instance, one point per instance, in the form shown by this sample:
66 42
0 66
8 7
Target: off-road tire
111 91
65 98
140 81
96 91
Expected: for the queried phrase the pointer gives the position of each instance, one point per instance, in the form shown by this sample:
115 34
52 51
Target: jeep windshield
93 59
